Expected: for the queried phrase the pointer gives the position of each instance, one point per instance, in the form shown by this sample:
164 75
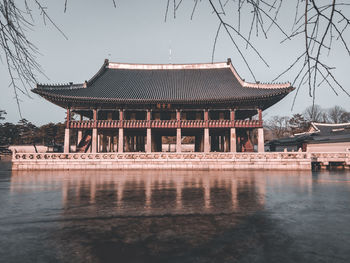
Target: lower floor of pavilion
164 140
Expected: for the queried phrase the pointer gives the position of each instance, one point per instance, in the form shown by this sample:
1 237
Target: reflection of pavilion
157 192
146 191
138 215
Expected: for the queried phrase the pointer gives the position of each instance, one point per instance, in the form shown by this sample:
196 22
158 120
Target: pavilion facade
135 107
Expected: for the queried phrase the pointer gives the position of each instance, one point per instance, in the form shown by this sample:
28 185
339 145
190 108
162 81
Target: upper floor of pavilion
165 86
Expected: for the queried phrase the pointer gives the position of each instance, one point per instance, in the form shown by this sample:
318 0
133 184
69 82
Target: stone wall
173 161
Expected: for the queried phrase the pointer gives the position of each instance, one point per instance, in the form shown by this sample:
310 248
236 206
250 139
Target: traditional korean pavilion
131 107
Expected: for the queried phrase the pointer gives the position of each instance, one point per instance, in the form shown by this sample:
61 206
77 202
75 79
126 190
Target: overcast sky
135 32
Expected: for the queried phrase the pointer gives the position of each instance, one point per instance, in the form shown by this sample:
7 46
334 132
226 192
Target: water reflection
165 216
151 192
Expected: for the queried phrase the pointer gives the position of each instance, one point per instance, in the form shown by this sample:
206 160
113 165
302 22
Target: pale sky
135 32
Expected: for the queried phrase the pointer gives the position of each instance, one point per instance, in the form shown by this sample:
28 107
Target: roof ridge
118 65
330 124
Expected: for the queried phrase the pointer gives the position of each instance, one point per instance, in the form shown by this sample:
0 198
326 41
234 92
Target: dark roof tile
209 82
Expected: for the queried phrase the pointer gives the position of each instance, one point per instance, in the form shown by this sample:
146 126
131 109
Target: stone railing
160 160
326 157
89 124
160 155
314 157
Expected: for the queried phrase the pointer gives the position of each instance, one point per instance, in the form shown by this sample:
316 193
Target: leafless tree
315 113
279 126
336 114
318 24
345 117
18 52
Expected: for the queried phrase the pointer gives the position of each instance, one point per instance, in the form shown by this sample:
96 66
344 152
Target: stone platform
162 160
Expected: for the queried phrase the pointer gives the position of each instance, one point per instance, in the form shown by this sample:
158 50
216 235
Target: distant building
130 107
321 137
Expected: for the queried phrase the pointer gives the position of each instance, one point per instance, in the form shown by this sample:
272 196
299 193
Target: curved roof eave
50 91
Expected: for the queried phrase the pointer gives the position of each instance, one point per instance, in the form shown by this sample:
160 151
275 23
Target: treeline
24 132
282 126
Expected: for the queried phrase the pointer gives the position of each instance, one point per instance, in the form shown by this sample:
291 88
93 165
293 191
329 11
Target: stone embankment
174 161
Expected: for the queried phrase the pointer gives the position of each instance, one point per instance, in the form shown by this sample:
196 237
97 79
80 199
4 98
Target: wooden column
233 140
178 131
149 133
67 134
206 132
94 142
121 133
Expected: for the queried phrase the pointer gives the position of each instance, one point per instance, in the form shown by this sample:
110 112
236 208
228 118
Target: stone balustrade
324 158
161 155
162 160
89 124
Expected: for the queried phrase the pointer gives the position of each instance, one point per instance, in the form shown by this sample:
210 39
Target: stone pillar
206 132
233 142
121 133
261 147
178 132
120 140
206 140
149 133
233 139
261 140
66 148
178 140
66 140
94 143
149 140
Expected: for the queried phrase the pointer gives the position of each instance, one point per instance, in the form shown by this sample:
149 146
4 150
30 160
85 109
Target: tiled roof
331 128
325 133
192 83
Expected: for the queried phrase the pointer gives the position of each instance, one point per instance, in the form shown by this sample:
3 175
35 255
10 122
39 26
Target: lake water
167 216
